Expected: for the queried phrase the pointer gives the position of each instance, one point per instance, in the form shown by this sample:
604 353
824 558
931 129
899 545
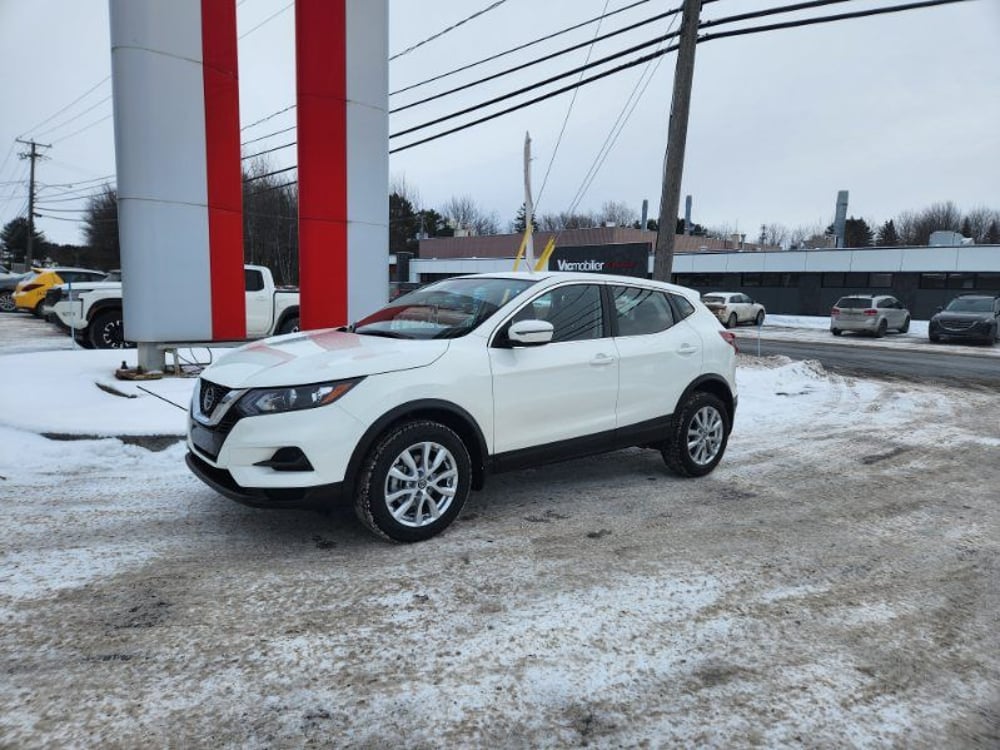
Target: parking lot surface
836 582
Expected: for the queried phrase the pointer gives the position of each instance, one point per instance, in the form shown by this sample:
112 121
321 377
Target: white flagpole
529 209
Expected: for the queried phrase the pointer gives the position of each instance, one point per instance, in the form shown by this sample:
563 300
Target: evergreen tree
100 229
887 236
992 236
520 224
14 239
404 225
857 233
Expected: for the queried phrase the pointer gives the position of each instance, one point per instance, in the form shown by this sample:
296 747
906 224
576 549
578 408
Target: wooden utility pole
673 168
34 156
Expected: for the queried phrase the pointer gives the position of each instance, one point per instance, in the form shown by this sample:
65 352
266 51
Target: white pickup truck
95 310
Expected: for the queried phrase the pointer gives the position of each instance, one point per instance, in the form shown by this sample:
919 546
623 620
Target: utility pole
673 168
34 156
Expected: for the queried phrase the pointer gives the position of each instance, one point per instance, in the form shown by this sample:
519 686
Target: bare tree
775 235
270 222
618 213
100 228
398 185
463 211
915 227
978 221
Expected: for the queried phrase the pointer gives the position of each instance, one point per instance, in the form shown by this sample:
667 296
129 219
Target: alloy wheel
705 434
421 484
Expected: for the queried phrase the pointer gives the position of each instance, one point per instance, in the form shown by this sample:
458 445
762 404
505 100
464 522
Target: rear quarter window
682 306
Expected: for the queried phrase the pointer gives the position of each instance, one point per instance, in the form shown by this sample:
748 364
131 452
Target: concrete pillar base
151 357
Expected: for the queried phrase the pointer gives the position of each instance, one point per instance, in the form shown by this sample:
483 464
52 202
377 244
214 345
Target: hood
947 316
318 356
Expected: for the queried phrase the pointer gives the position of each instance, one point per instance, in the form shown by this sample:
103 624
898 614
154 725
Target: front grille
958 325
211 396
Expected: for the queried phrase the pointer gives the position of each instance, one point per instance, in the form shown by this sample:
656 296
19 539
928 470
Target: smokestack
840 218
687 215
645 213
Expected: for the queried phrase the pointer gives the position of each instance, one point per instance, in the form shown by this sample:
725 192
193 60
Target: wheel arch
103 305
288 312
450 415
717 386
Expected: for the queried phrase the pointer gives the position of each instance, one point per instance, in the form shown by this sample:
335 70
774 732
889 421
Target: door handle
686 350
600 360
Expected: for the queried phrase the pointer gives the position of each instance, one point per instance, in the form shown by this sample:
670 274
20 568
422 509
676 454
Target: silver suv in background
869 314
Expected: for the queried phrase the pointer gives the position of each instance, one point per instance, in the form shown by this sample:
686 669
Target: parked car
30 293
408 409
733 308
969 316
63 291
869 314
95 310
8 283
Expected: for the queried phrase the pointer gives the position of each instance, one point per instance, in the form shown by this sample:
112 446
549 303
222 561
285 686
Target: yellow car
29 294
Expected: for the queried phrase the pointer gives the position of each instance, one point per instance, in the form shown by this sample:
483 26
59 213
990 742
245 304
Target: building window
961 281
752 279
988 281
833 280
856 279
880 280
933 280
699 280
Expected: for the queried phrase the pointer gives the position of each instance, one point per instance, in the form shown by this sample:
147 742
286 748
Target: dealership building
791 282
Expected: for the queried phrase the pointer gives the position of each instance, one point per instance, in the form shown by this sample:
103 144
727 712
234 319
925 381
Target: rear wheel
289 325
906 325
731 321
106 330
7 302
699 436
37 309
836 331
882 328
414 482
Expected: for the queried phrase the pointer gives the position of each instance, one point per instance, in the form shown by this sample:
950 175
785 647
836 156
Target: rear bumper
855 324
220 480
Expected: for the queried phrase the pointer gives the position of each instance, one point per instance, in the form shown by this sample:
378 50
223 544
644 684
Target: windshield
445 310
971 305
853 303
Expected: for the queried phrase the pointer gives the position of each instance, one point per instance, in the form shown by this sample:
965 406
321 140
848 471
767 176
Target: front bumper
220 480
976 332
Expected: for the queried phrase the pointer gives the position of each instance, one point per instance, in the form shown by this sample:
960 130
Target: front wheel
414 482
731 322
699 436
106 330
759 320
906 325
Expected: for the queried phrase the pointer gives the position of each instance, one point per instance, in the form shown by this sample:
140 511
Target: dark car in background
8 283
972 317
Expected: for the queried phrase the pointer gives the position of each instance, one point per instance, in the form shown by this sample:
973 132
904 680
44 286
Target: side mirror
530 333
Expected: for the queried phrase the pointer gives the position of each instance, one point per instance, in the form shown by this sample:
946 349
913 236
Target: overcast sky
901 110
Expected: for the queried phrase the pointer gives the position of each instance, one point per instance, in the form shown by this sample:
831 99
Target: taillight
835 311
871 311
730 338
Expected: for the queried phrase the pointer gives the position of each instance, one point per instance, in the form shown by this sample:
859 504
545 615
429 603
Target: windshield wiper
384 334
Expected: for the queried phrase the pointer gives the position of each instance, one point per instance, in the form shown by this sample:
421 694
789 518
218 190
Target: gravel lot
836 582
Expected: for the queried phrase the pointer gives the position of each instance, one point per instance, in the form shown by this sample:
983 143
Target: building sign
626 259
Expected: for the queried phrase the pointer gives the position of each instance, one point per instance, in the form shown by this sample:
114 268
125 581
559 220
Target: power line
266 20
569 111
546 58
643 59
254 178
269 135
518 48
441 33
268 151
79 98
85 127
75 117
269 117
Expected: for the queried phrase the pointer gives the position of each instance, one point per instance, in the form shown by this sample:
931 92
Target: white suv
407 410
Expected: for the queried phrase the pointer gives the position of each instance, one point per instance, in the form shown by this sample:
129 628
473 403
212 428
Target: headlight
275 400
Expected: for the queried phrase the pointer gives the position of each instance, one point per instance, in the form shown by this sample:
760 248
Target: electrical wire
518 48
269 117
59 112
546 58
254 178
84 128
269 135
569 111
441 33
74 118
268 151
267 20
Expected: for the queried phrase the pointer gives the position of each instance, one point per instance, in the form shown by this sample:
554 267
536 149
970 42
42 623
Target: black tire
933 337
289 325
882 328
7 302
106 330
906 325
689 434
376 486
37 309
732 321
759 320
836 331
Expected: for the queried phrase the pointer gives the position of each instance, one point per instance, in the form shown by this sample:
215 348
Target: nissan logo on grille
210 396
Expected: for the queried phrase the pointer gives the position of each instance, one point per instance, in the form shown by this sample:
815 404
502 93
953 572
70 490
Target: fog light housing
287 459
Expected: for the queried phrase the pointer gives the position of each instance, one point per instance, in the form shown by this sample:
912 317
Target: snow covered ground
836 582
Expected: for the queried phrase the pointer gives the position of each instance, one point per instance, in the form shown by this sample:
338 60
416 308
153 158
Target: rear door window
641 311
